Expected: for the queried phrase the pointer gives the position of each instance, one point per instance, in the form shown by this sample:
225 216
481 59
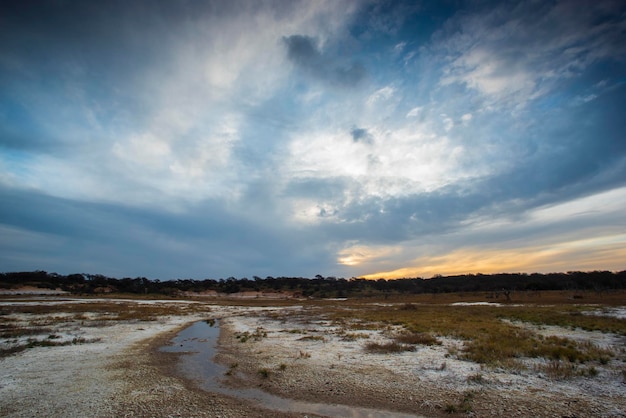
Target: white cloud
144 151
380 95
399 47
414 112
514 60
401 162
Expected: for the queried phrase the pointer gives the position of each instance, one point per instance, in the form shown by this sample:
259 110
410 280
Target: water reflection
199 341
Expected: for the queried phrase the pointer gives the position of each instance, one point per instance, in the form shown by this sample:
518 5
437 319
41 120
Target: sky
347 138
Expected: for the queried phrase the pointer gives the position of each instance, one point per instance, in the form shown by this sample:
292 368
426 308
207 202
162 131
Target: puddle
199 342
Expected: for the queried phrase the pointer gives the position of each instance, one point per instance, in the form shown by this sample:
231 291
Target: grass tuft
390 347
418 338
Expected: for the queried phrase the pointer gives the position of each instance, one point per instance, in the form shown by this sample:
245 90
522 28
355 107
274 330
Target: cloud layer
349 138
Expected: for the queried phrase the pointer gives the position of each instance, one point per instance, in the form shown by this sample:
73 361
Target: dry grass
417 338
312 338
353 336
489 338
390 347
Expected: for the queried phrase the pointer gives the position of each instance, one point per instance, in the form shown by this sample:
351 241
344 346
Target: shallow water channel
199 343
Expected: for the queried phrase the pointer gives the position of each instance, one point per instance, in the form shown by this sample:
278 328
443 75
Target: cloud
303 51
574 235
361 135
515 55
300 138
119 240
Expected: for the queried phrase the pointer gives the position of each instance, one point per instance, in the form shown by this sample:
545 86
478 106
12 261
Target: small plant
231 369
420 338
476 378
264 373
353 336
559 370
453 351
257 335
312 338
464 405
242 336
450 408
590 371
390 347
282 367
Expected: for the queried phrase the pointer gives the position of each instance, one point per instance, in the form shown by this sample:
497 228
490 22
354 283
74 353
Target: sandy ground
120 372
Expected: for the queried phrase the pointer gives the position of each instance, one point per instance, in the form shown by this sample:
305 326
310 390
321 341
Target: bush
421 338
391 347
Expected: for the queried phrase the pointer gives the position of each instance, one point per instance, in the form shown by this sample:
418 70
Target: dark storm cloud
303 52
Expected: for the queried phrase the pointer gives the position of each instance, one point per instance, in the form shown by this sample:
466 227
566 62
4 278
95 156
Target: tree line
320 286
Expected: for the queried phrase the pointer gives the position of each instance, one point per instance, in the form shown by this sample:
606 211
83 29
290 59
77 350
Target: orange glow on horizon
584 255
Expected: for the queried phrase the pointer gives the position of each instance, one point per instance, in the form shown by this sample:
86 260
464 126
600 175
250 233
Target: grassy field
497 335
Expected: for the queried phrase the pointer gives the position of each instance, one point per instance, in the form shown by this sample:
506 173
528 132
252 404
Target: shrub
353 336
476 378
312 338
464 406
421 338
559 370
231 369
390 347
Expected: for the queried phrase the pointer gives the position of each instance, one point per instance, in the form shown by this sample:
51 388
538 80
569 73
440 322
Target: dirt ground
288 351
